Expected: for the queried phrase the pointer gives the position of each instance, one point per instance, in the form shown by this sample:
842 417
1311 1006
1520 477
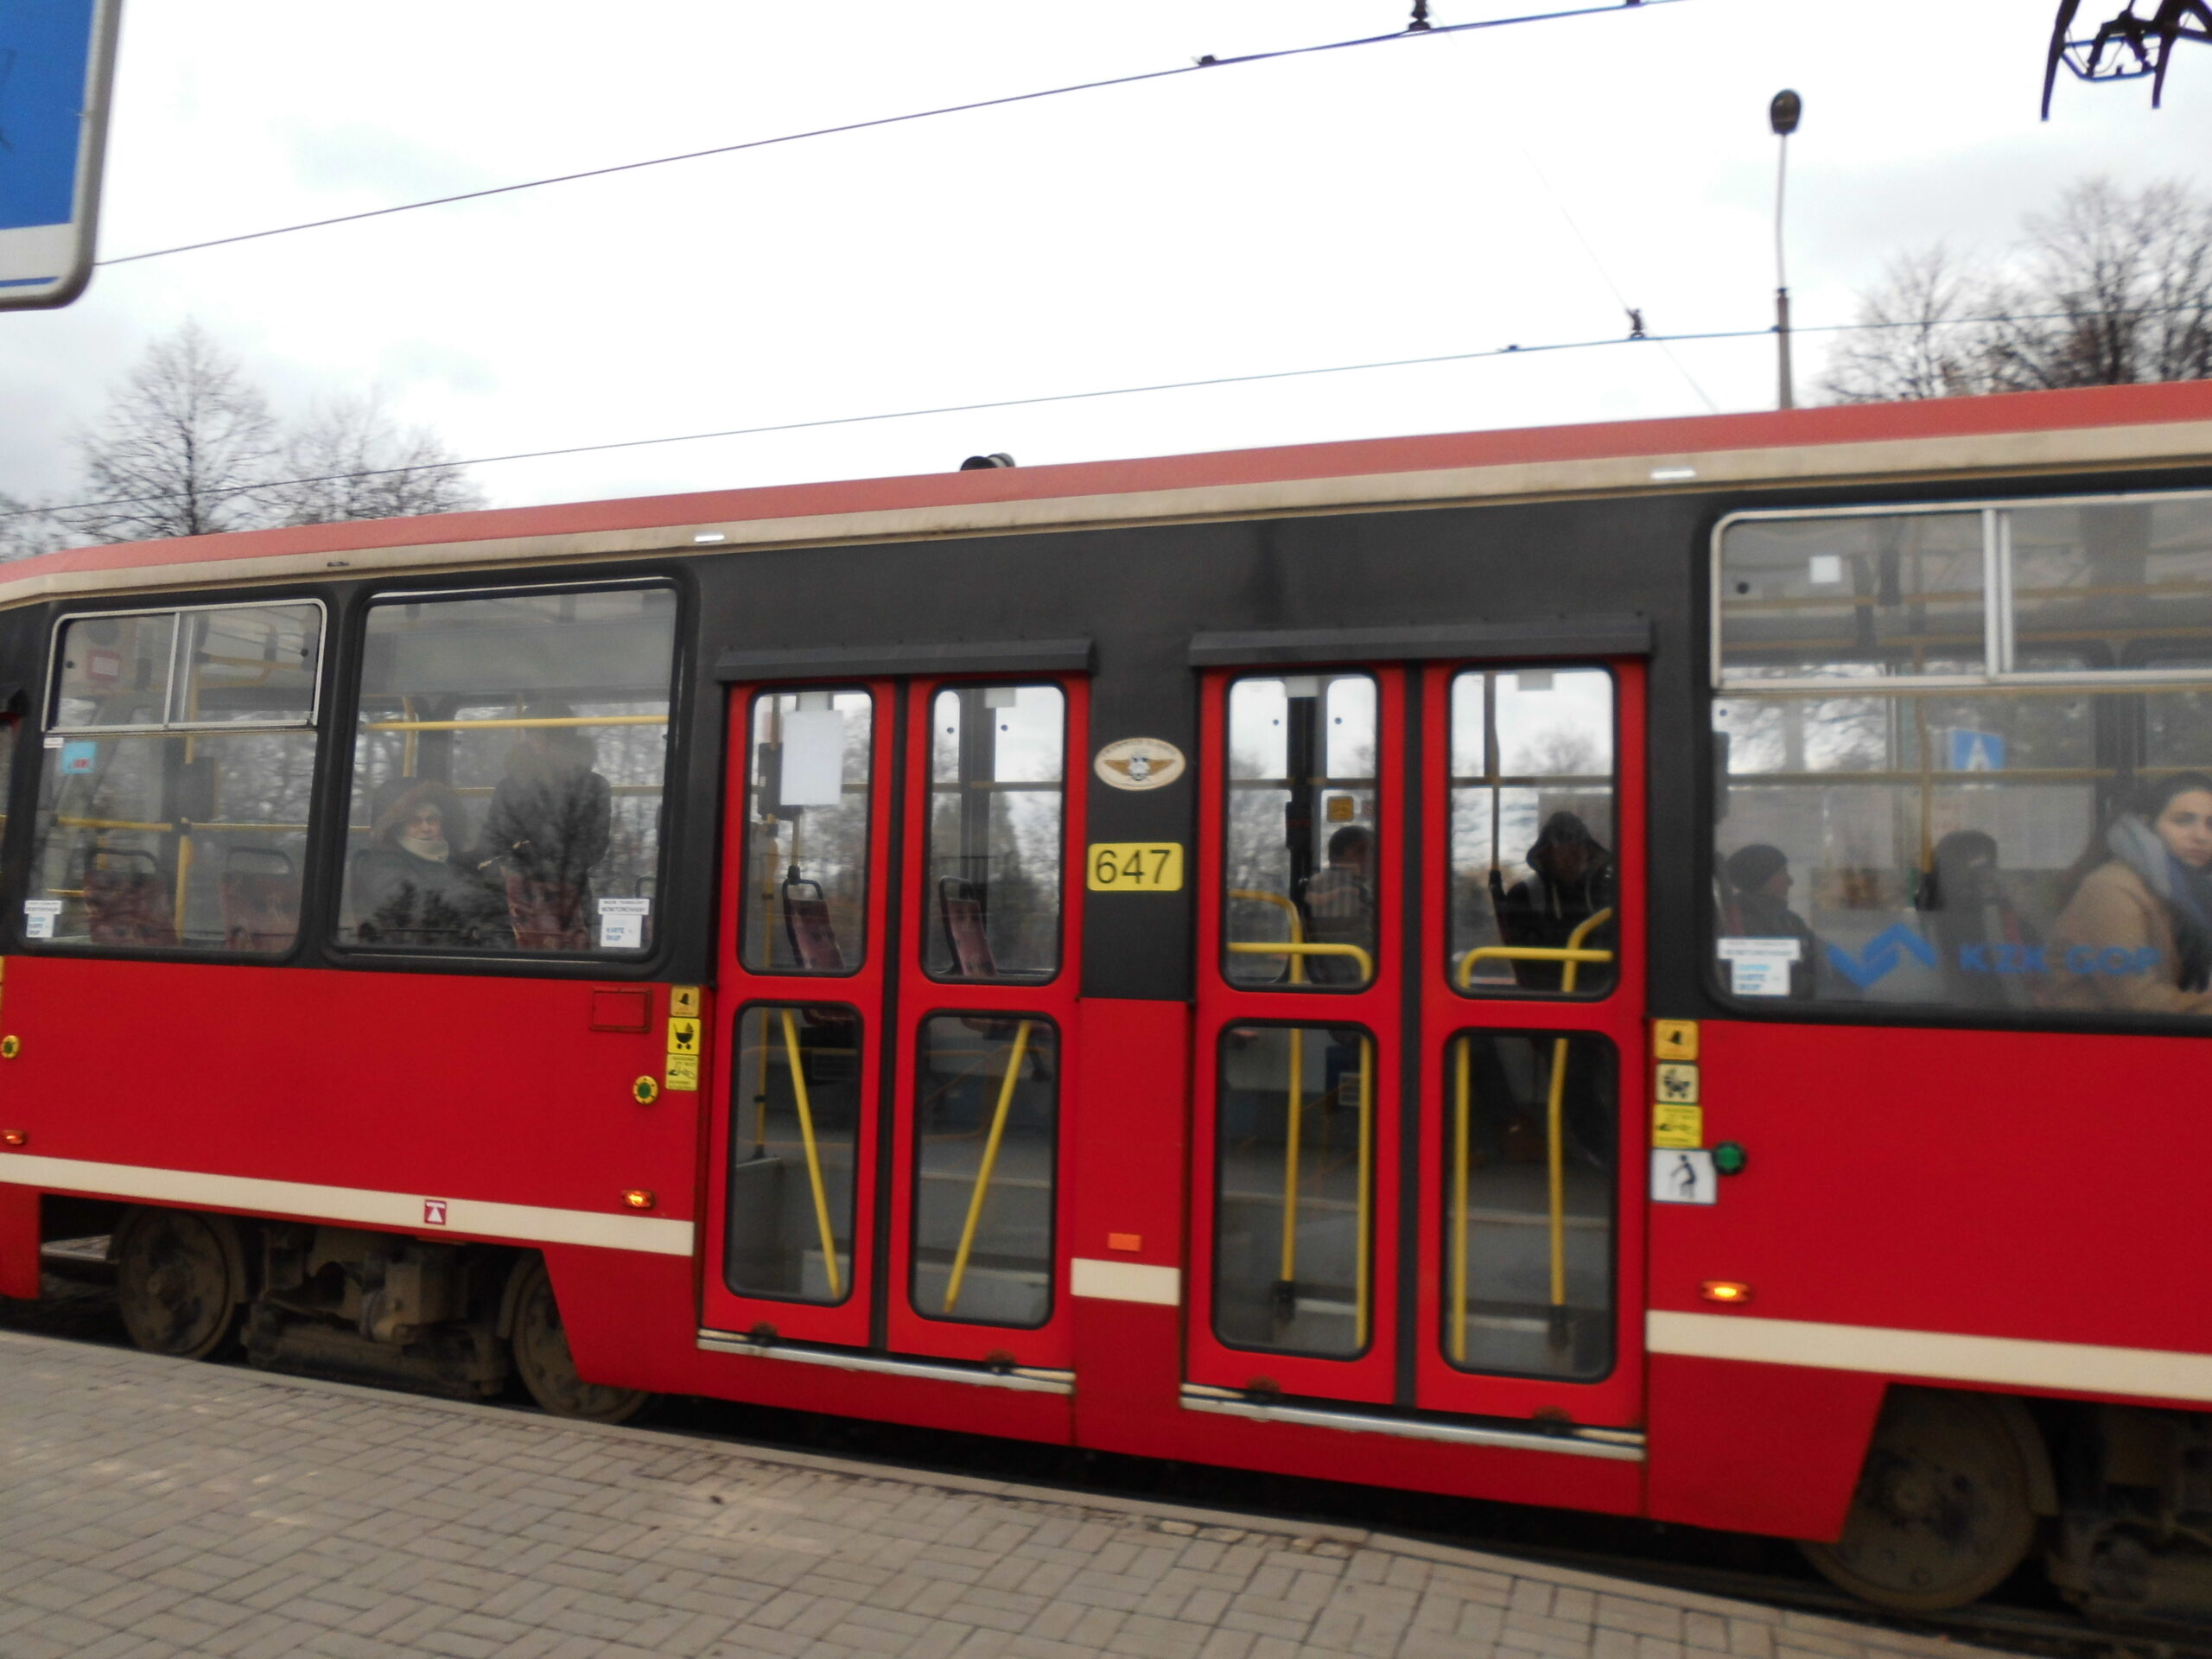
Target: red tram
1657 969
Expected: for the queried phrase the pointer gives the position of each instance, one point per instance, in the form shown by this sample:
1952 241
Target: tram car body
1549 966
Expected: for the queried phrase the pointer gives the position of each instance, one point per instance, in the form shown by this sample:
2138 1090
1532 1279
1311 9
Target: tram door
1419 1171
898 988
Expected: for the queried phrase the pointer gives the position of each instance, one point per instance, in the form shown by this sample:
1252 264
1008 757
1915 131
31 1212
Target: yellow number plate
1135 867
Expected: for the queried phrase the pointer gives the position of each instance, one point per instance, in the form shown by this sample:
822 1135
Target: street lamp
1783 115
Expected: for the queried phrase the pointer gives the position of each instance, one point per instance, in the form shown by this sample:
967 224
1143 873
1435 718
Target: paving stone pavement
151 1508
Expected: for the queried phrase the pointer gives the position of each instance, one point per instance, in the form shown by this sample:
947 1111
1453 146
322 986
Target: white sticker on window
1828 570
38 918
814 759
1760 967
54 739
622 922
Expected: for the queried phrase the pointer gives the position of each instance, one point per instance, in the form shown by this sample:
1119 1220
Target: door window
1303 875
997 776
804 909
795 1118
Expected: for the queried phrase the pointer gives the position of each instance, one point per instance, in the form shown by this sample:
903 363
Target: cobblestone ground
150 1508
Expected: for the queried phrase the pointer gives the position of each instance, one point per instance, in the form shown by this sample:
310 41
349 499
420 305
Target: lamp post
1783 115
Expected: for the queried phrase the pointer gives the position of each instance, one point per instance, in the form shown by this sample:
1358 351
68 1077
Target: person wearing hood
550 827
412 887
2136 935
1756 906
1570 880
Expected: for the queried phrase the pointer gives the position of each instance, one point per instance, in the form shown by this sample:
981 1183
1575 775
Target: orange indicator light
14 1138
1724 1290
1125 1241
638 1199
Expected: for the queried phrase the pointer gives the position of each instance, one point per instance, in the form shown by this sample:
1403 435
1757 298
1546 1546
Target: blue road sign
57 59
1972 751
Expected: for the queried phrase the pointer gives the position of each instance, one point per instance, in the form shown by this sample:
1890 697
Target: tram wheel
543 1363
1944 1511
180 1281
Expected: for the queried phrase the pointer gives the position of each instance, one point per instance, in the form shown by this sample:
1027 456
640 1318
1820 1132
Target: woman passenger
2136 935
413 886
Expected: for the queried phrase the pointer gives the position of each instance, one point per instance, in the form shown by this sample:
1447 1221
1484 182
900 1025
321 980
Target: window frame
332 845
1999 644
746 871
50 704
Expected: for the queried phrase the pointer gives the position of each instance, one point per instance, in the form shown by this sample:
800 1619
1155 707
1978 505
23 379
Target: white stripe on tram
408 1213
2013 1362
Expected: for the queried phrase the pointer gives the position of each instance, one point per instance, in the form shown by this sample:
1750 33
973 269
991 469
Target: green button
1729 1158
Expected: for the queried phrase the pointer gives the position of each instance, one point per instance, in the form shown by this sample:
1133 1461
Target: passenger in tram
411 887
1340 906
1570 880
1973 921
1757 907
550 826
2136 935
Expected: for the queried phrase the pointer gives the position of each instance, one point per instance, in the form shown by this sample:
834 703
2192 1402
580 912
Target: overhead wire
1198 66
1540 348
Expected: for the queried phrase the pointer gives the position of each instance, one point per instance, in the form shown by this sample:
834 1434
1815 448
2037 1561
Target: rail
813 1156
1572 955
989 1165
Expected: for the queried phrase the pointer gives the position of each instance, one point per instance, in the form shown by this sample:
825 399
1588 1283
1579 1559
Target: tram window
1304 881
190 832
2111 576
986 1122
1528 1197
805 905
509 766
1533 865
1983 851
1852 596
1294 1190
795 1113
997 783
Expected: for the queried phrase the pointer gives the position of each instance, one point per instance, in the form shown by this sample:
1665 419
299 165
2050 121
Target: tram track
78 1305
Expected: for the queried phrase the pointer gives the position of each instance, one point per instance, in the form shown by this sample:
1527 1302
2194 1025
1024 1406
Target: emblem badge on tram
1139 763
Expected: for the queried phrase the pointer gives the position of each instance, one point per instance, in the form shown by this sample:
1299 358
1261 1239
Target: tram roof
2024 434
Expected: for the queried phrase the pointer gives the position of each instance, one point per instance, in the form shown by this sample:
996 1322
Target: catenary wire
1200 66
1539 349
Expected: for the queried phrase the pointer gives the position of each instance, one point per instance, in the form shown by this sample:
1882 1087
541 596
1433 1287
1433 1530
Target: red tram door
899 944
1419 1106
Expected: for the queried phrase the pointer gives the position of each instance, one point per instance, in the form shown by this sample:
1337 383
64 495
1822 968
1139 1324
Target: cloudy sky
1428 196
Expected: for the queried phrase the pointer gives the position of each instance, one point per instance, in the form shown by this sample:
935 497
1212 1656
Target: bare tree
27 528
184 444
2112 288
349 459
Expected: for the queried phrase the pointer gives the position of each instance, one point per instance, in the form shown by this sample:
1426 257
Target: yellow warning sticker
1676 1084
1341 809
1673 1039
684 1073
1671 1125
684 1002
684 1037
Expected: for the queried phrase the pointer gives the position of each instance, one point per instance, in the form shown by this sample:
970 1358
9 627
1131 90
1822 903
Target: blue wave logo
1880 958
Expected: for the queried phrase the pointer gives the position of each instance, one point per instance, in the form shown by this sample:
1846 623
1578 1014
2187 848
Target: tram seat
960 907
546 915
131 905
261 906
808 925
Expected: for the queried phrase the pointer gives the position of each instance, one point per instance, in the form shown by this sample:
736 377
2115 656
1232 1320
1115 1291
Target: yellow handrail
1297 922
989 1163
1294 1132
511 722
1294 951
1573 955
1366 1164
813 1156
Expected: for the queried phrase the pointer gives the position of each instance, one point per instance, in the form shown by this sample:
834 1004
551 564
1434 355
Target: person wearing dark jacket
1570 880
1758 907
413 886
551 823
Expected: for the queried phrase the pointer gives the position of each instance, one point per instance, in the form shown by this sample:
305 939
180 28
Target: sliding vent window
1534 890
1303 880
795 1122
173 783
805 899
997 783
1863 596
509 767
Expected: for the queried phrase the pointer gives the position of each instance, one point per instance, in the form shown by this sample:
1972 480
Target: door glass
1301 867
986 1109
805 899
795 1122
1294 1181
997 776
1532 830
1528 1204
